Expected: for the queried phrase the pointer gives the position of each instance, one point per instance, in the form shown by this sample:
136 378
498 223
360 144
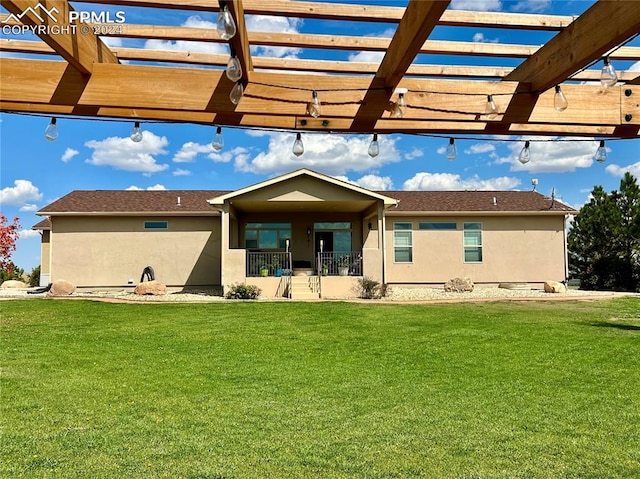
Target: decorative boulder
13 284
554 287
151 287
62 287
459 285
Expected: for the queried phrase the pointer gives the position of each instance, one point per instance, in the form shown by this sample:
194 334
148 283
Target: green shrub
243 291
368 288
34 277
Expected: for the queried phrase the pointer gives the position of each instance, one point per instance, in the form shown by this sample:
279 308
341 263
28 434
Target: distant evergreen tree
604 240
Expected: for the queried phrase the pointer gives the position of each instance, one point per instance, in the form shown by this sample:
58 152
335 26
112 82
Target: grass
320 390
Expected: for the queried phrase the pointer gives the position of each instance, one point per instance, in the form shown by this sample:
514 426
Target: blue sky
99 154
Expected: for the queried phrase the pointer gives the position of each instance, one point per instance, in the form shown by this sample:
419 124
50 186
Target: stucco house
303 234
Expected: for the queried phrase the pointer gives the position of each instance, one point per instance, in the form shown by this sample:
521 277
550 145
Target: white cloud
441 150
266 23
190 150
617 170
532 6
479 5
124 154
24 234
480 38
112 41
371 56
20 194
635 67
29 207
68 154
370 182
479 148
329 154
157 187
552 155
238 155
413 154
448 181
193 21
181 172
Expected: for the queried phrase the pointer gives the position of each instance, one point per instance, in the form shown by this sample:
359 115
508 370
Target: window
402 243
437 226
156 225
472 242
266 235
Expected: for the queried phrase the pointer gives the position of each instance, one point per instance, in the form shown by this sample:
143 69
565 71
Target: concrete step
306 295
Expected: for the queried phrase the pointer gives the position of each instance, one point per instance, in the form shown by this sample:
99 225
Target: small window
437 226
472 242
156 225
402 243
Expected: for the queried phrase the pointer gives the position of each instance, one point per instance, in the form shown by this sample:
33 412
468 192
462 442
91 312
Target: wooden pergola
74 73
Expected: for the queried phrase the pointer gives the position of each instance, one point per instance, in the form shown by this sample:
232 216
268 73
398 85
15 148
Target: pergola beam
602 27
240 41
82 49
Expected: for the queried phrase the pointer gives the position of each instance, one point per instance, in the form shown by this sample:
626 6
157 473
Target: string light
560 102
491 110
218 141
374 147
225 25
313 107
234 68
601 153
298 147
452 152
525 154
236 93
51 133
136 134
400 107
608 75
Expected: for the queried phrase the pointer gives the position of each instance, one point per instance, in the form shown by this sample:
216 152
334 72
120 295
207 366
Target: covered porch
301 225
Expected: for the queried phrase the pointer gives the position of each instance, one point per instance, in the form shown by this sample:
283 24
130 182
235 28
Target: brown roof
45 224
481 201
135 201
195 201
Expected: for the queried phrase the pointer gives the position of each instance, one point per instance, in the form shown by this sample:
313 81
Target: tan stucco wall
45 250
108 251
515 249
338 287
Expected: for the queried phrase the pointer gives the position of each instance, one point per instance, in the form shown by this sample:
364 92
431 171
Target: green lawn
320 390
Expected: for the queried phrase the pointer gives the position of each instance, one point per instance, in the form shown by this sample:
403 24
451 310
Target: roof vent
178 203
495 201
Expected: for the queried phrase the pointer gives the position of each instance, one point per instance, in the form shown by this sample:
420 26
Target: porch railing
268 264
340 264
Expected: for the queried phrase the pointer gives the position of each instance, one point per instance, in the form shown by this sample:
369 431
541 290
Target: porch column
224 244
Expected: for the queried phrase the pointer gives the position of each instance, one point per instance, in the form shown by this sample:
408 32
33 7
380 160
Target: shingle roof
136 201
481 201
45 224
195 201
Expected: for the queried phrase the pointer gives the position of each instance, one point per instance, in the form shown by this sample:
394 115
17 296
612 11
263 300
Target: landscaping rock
151 287
13 284
459 285
62 287
554 287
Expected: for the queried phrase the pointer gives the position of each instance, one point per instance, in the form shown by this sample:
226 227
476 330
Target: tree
604 240
9 234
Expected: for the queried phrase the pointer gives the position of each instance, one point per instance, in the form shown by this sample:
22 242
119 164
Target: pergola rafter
356 96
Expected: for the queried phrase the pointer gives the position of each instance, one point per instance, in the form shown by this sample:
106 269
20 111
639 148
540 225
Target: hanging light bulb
525 154
601 153
452 152
399 107
313 107
226 25
234 68
491 110
298 147
236 93
136 134
608 75
374 147
218 141
51 133
560 102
